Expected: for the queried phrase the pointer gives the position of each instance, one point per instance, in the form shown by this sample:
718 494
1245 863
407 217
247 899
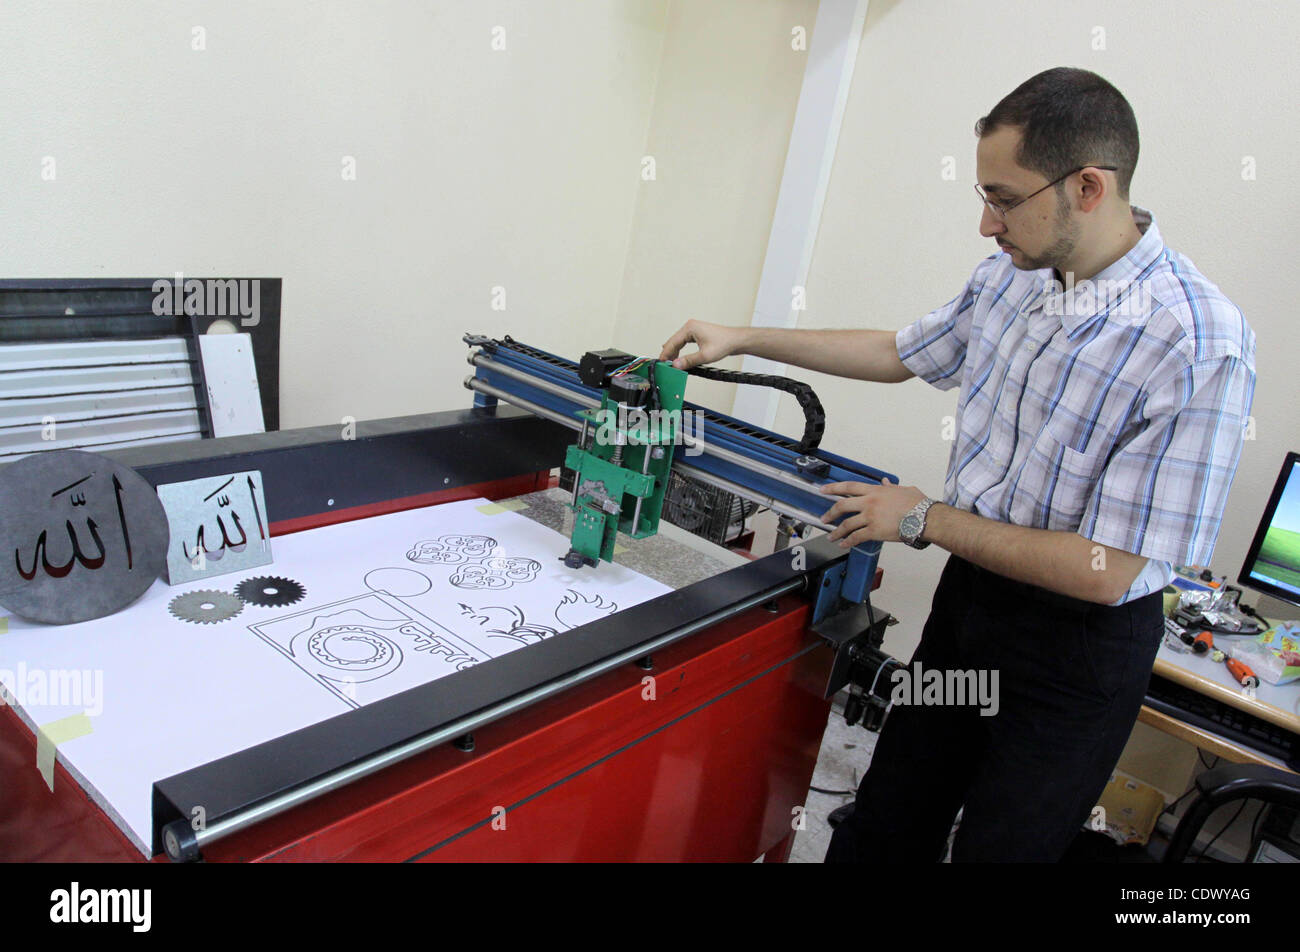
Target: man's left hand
870 512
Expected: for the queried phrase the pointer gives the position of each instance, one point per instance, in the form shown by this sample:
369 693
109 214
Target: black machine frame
302 470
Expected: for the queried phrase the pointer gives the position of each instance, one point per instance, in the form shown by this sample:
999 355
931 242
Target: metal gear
205 606
270 591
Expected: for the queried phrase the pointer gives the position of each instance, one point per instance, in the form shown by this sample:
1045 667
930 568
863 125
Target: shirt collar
1079 304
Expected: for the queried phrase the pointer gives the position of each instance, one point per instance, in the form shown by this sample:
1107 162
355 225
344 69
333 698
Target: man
1104 389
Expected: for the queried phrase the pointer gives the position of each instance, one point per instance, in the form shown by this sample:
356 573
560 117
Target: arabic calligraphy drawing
88 536
218 525
479 567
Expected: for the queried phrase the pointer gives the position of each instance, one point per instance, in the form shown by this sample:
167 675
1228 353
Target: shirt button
1030 345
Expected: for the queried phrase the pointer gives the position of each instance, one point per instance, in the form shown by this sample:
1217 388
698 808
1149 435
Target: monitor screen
1273 563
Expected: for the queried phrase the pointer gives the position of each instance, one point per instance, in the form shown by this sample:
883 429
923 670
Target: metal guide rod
645 466
339 778
473 383
555 416
478 359
721 453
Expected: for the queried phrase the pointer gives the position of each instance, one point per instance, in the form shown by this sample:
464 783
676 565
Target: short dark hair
1068 118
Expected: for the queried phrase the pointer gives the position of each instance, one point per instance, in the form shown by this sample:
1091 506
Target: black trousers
1071 678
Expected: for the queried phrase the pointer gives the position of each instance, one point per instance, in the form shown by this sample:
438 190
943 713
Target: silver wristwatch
913 524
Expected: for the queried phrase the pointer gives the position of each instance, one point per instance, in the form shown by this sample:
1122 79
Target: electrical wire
1247 610
1174 806
841 793
631 365
1201 856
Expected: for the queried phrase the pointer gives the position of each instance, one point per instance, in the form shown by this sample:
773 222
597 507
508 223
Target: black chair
1226 784
1214 788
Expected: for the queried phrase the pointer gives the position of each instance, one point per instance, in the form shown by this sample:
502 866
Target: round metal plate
81 536
206 606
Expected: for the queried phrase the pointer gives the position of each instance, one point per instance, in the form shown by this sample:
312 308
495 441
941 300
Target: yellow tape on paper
4 624
50 736
505 505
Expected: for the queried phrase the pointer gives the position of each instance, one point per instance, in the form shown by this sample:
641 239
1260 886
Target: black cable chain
813 414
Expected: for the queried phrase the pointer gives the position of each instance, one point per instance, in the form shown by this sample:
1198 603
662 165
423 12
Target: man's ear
1093 188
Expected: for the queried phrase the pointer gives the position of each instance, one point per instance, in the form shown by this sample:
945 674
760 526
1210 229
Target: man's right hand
715 342
857 354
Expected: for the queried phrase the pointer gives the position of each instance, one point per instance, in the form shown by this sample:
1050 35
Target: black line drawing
479 568
362 639
398 582
359 650
496 573
508 621
576 610
357 641
452 549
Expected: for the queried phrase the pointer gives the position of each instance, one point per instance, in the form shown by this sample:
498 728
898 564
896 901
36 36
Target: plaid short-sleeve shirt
1115 408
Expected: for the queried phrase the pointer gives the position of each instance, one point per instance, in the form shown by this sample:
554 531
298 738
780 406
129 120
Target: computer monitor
1272 565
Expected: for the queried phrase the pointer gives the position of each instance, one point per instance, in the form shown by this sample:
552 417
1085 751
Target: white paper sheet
392 602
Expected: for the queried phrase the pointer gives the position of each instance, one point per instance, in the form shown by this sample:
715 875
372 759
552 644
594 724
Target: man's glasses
1001 211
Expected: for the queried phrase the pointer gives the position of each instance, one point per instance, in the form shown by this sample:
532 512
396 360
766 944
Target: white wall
475 168
1211 82
724 105
523 169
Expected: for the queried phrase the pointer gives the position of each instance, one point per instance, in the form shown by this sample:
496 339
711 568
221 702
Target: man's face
1040 233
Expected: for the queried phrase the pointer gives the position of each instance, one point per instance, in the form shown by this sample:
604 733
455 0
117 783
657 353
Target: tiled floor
844 756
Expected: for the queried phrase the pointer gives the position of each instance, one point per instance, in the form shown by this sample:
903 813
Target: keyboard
1195 708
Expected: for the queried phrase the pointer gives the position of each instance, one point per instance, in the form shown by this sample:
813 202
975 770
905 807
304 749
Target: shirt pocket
1074 467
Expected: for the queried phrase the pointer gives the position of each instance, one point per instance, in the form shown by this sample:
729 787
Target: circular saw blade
270 591
205 606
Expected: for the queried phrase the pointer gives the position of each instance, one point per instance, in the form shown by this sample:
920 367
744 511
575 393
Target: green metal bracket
621 466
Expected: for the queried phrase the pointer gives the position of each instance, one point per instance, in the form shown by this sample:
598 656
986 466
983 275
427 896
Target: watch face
910 527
